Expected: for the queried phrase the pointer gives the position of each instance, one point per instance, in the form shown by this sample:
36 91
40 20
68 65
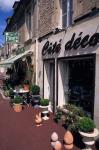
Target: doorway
49 80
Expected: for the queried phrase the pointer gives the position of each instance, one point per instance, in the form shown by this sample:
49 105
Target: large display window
76 79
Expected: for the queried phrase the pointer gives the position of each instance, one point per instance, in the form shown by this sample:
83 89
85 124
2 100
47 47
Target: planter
26 87
35 101
44 108
45 112
17 107
88 138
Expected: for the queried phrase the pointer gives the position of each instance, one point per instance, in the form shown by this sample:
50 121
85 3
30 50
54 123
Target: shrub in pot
86 124
17 103
44 103
35 93
35 90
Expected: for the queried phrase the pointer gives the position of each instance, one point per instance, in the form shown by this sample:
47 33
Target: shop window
81 84
66 13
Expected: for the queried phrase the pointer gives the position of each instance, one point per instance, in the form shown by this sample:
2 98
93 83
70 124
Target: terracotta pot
58 146
68 138
68 146
26 87
17 107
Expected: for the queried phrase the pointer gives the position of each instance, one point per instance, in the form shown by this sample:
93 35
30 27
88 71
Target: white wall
96 103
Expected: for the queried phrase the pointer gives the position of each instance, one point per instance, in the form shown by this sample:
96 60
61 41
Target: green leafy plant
44 102
11 93
75 110
17 99
35 89
71 121
59 117
86 124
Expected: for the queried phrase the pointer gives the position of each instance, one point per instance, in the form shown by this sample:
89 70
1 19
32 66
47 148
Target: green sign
12 37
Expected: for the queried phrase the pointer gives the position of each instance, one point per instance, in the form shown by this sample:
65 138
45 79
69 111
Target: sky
5 11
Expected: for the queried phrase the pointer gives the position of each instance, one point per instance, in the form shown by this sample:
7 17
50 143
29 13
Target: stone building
68 53
64 38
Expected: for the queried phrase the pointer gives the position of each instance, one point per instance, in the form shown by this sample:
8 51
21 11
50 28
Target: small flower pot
44 108
26 87
17 107
35 101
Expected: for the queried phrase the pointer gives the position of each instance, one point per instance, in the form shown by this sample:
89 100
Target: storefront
70 67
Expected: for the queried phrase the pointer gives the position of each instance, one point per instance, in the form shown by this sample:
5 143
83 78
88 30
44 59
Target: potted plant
17 103
87 130
35 89
35 94
26 85
44 103
86 124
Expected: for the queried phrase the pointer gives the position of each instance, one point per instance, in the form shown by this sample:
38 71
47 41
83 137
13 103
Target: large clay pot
68 140
17 107
26 87
58 146
68 146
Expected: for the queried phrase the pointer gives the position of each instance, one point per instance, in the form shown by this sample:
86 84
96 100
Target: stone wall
82 7
47 20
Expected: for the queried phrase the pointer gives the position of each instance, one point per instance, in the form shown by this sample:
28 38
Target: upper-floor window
28 21
67 13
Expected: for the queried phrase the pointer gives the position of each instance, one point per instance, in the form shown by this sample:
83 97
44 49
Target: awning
8 62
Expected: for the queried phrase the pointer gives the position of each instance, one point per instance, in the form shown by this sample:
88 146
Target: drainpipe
37 43
69 12
36 60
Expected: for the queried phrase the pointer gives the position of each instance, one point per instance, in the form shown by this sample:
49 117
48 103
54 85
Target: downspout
69 12
36 60
37 43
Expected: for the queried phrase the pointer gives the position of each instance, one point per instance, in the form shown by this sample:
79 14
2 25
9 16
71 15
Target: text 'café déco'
50 48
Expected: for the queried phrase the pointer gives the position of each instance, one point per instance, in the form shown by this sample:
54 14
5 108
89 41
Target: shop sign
55 48
82 42
50 48
11 37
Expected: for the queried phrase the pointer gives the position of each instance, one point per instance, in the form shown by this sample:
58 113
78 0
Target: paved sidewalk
18 130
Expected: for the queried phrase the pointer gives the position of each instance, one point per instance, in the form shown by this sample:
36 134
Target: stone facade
46 16
82 7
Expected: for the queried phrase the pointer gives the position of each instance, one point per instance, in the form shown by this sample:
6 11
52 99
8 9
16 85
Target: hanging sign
11 37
